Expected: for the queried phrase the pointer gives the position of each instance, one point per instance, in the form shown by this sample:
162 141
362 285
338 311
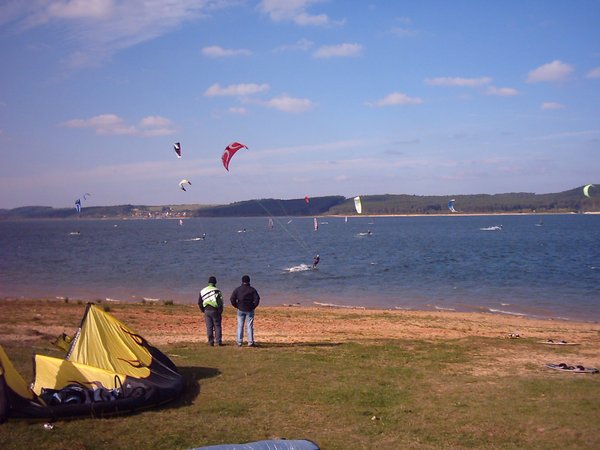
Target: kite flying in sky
586 190
230 150
451 205
182 182
358 205
177 148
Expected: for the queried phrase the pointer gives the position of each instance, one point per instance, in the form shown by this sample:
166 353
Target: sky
331 97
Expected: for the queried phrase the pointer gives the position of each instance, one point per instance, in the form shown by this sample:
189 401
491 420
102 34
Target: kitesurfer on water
316 261
245 299
210 302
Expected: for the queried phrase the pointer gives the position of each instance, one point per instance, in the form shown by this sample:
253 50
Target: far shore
352 215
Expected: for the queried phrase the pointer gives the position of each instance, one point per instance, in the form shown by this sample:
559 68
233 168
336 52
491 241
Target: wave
511 313
300 268
494 228
439 308
334 305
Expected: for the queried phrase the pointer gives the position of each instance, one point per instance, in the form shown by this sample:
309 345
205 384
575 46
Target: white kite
358 205
182 182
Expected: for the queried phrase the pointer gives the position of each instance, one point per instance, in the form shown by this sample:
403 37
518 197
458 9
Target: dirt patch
40 320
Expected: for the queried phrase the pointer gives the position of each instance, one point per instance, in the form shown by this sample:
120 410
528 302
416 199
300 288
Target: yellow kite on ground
108 369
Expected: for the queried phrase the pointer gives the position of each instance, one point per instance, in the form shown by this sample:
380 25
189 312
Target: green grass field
361 395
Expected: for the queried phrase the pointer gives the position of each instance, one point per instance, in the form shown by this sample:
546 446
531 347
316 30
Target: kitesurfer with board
210 302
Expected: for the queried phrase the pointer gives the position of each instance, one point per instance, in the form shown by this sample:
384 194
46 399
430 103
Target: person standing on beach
210 302
245 299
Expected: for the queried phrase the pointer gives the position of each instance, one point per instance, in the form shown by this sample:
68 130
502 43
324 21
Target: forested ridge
571 201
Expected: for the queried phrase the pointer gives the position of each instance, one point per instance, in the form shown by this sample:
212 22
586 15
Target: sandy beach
38 320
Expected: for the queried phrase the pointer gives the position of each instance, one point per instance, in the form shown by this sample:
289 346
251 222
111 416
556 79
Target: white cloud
114 125
154 121
594 73
341 50
403 32
503 92
293 11
551 72
290 104
458 81
551 105
156 126
96 29
76 9
238 110
302 45
102 124
238 90
397 98
216 51
567 134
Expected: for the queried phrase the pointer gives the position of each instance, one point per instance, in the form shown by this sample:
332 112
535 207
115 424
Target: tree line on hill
571 201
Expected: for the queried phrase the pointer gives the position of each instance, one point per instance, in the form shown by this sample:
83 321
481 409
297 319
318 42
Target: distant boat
270 224
540 223
315 224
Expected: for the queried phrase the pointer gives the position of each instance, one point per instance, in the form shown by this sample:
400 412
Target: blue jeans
248 317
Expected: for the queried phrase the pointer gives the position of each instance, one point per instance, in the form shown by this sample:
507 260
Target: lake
462 263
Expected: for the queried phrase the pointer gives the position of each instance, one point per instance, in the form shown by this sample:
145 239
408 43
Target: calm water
408 262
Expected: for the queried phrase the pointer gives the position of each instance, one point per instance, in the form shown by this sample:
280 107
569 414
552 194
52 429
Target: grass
363 394
387 395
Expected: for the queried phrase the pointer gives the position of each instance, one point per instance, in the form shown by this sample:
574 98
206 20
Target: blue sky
331 97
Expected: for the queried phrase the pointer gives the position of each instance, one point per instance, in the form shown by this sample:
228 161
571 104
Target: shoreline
317 321
298 301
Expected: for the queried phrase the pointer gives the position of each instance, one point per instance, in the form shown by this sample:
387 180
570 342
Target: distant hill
518 202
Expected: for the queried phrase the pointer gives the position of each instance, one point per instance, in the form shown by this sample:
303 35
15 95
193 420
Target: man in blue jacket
245 299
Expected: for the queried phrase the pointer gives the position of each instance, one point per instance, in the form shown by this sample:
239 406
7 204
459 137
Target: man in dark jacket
245 299
210 302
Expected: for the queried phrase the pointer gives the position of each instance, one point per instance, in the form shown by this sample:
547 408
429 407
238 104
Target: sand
40 320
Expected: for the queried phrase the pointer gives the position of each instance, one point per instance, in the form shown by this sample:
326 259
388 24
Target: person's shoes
239 344
212 344
221 344
252 345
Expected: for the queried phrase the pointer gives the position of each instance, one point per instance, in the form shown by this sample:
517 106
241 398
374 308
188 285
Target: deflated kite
78 205
182 182
108 369
230 150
